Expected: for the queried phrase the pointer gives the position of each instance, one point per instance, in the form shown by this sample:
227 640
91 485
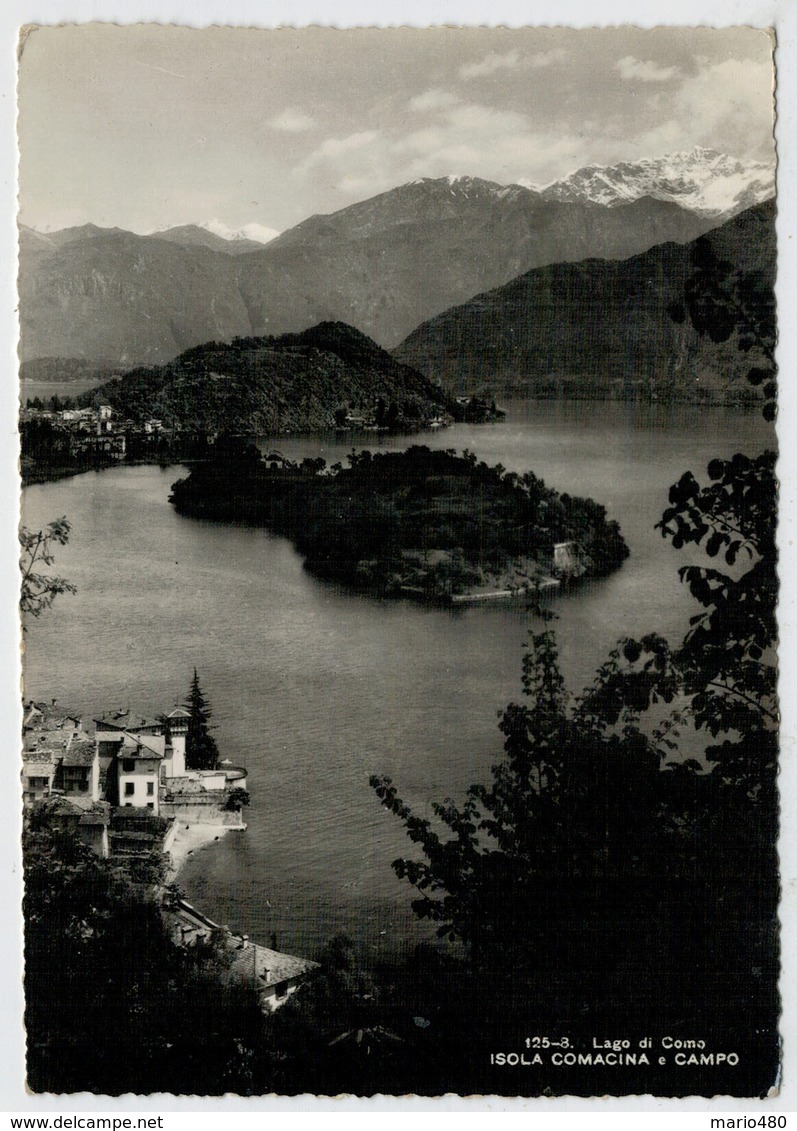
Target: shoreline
53 475
188 840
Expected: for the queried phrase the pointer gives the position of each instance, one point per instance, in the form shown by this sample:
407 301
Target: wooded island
427 524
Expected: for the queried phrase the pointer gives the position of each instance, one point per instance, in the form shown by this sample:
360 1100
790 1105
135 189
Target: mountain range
599 327
703 180
383 265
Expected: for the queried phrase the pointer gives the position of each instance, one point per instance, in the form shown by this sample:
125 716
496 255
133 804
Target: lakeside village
127 794
58 440
97 430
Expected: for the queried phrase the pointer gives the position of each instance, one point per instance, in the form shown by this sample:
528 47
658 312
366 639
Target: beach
189 838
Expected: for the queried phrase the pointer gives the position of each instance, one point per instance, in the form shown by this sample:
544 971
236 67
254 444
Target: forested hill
296 382
420 523
603 328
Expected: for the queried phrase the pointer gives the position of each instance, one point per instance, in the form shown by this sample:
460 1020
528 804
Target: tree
38 589
599 793
201 752
547 851
722 301
726 660
593 846
155 1016
518 871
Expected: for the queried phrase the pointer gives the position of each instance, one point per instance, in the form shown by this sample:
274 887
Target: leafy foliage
40 589
727 656
722 302
591 847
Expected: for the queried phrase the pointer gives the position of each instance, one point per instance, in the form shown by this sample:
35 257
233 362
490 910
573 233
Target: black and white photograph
399 568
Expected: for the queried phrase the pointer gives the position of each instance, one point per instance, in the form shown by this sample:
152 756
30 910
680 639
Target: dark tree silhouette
100 959
722 301
596 814
201 752
541 865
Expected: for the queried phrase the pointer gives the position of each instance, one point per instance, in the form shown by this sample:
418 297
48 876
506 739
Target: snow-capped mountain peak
464 187
703 180
257 232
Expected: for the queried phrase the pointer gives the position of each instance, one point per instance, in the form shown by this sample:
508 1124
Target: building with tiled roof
49 716
78 770
125 720
91 824
274 975
38 771
178 720
57 756
136 831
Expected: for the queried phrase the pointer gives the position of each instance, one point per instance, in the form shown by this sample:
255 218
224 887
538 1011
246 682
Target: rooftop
144 747
98 814
41 715
58 806
36 760
79 754
55 742
270 967
124 720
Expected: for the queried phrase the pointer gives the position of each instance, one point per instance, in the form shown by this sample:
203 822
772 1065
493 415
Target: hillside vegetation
424 523
296 382
600 328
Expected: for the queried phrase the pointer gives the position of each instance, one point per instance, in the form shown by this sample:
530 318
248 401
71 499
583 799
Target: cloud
644 70
293 121
335 147
471 139
466 137
737 90
490 64
548 58
512 60
728 106
433 100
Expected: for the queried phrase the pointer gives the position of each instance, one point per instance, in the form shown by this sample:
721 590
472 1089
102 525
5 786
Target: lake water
313 689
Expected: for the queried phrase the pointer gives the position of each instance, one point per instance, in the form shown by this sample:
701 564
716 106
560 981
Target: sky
149 126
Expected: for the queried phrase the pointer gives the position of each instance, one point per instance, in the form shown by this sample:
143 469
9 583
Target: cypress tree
201 752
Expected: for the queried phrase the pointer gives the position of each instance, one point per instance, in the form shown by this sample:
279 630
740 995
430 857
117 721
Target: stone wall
203 809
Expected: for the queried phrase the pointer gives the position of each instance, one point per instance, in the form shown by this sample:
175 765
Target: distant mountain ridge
597 328
384 265
122 298
197 235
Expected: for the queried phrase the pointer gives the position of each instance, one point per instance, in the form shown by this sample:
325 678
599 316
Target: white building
139 762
